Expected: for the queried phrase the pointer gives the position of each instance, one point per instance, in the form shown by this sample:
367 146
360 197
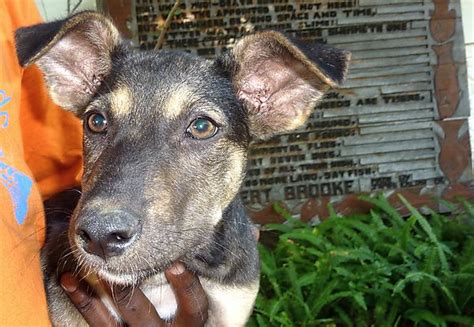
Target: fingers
256 232
135 308
190 296
91 308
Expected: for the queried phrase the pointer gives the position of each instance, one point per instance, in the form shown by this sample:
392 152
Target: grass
378 269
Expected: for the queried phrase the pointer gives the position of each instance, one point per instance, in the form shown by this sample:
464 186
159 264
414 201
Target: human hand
135 309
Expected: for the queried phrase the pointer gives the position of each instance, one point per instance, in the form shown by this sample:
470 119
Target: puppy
165 140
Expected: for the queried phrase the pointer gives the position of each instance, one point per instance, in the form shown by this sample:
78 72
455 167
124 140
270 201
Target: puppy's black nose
107 235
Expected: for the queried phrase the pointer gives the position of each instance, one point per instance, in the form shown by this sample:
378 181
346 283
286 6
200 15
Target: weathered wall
467 8
399 123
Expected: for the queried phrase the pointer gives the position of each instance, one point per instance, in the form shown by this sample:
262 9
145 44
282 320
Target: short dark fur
179 195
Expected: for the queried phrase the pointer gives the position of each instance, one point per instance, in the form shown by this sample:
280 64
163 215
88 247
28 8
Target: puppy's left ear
75 55
280 80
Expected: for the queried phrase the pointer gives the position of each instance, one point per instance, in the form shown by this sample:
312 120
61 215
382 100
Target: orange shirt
40 154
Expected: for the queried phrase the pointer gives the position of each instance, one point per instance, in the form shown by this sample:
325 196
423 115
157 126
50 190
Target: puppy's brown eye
202 128
97 123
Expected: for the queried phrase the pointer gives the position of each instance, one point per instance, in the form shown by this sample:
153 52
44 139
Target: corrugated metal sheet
387 128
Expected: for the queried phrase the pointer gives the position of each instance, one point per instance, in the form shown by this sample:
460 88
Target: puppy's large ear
74 55
280 80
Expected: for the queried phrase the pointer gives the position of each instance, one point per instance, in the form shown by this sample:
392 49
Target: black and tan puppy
165 141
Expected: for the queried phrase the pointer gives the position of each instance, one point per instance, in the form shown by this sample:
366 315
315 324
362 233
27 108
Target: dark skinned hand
136 310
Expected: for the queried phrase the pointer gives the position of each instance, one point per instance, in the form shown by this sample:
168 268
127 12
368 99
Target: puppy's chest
156 289
228 305
162 297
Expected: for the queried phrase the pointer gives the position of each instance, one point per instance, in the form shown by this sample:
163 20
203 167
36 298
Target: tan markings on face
121 101
160 206
234 175
102 205
299 120
177 101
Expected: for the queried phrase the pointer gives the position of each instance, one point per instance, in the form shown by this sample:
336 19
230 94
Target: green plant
377 269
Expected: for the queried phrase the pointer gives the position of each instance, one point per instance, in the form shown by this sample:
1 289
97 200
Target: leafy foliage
377 269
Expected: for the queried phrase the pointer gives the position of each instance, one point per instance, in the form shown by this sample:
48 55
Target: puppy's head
166 133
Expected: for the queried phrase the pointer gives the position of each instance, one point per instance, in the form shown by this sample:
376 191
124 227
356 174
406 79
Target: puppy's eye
97 123
202 128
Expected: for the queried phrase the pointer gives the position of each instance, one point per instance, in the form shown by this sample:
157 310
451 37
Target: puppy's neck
231 245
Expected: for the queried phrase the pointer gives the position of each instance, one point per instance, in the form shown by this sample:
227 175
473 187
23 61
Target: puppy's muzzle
107 234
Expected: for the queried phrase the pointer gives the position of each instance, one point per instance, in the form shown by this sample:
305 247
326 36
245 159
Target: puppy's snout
107 235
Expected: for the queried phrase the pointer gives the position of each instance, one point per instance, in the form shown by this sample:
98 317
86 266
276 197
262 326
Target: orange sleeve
52 137
38 143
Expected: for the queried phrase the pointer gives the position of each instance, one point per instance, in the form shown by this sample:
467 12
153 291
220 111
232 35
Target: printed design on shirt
4 99
19 188
18 184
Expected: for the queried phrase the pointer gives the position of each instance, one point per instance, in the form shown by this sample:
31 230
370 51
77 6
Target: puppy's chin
119 279
113 275
125 278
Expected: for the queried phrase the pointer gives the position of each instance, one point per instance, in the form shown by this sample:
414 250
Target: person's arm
135 309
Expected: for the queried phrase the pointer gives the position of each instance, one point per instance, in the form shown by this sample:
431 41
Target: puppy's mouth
125 278
112 275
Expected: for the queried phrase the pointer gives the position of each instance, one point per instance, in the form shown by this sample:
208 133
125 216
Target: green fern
378 269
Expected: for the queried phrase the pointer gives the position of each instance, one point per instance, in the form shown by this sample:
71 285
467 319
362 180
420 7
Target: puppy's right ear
75 55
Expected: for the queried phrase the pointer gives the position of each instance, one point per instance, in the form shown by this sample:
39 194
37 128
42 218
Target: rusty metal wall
399 122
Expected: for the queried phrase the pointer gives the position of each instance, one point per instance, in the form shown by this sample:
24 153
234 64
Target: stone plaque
398 123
